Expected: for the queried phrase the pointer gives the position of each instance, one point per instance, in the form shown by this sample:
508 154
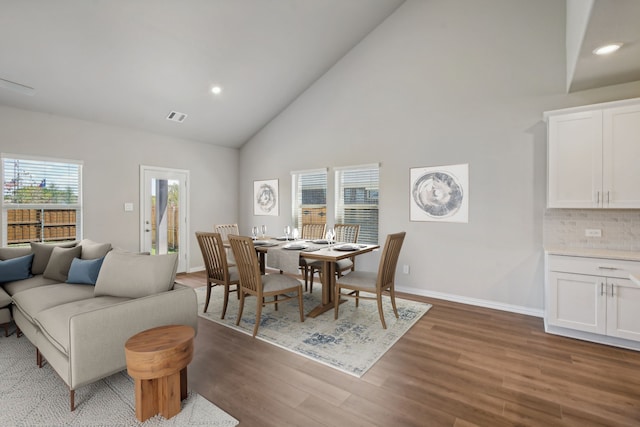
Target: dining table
314 250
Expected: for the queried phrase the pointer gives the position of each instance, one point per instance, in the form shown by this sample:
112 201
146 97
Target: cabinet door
577 301
575 160
621 157
623 309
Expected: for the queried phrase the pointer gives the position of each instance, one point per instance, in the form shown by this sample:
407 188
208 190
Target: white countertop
595 253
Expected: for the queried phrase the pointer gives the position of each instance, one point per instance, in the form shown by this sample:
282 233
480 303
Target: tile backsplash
566 228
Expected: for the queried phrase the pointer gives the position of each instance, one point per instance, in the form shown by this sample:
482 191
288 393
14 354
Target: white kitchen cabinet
593 299
593 156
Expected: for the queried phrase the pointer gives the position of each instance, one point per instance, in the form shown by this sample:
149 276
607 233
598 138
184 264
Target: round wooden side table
157 359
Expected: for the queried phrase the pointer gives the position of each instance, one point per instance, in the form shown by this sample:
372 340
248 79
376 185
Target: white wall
439 83
112 157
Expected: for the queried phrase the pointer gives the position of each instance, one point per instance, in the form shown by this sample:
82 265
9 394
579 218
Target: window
309 197
41 199
357 199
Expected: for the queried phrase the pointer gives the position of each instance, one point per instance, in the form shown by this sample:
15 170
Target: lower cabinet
593 299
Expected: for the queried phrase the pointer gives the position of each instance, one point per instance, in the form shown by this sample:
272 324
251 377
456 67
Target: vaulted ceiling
131 63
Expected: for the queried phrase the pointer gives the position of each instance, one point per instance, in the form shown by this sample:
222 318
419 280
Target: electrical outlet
405 269
593 232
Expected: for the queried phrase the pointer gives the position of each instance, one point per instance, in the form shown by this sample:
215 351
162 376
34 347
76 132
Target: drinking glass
287 232
330 235
254 233
263 228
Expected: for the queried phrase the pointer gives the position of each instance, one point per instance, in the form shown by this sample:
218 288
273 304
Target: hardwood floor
458 366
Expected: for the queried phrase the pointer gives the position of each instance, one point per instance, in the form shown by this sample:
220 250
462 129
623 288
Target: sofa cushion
84 271
32 282
93 250
5 299
42 253
134 276
55 321
14 252
16 268
60 262
33 301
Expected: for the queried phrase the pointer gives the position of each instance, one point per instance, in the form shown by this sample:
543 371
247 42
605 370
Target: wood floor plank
459 366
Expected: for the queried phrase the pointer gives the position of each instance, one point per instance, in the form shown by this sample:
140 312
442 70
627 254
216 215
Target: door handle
601 288
147 230
597 197
607 197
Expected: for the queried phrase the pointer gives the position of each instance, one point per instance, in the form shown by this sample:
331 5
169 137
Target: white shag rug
351 344
38 397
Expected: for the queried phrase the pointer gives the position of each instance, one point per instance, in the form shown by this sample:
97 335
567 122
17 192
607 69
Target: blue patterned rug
351 344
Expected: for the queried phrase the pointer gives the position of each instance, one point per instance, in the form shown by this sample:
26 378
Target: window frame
367 233
296 195
6 206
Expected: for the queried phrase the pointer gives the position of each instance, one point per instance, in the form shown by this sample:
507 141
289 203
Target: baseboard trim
197 269
474 301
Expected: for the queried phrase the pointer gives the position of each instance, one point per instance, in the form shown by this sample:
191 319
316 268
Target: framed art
265 197
440 193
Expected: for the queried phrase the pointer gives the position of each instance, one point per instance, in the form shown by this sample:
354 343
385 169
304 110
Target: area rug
351 344
38 397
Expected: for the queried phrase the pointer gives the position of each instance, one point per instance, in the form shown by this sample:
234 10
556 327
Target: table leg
146 392
169 395
262 263
183 383
328 283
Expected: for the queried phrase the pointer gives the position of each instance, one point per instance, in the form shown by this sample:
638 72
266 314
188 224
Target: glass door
164 216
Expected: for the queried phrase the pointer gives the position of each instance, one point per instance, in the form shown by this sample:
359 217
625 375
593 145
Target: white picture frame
440 193
266 198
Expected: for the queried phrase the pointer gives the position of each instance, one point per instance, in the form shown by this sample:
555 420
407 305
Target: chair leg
392 292
336 301
206 303
357 299
384 325
240 308
38 358
275 298
305 271
72 399
300 304
258 316
226 301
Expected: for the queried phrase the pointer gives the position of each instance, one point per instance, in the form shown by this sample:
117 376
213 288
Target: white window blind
357 199
310 197
41 199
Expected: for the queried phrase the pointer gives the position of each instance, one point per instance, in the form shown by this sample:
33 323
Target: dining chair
218 270
252 283
373 283
225 230
310 232
345 233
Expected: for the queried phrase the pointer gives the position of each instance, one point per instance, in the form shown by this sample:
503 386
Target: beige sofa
80 329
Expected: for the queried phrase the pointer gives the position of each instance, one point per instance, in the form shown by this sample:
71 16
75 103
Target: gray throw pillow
60 262
93 250
14 252
132 275
42 253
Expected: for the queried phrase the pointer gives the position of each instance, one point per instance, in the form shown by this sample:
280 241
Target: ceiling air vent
174 116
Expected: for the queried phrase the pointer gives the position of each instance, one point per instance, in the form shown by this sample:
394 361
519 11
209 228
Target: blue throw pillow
84 271
16 268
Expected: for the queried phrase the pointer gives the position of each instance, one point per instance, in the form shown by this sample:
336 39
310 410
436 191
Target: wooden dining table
329 256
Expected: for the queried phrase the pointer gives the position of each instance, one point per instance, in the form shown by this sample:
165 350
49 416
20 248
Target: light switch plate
128 207
593 232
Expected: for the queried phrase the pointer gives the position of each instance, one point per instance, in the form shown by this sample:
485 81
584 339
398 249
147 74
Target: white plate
295 246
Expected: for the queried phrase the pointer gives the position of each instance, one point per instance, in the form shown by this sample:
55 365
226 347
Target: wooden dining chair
252 283
345 233
310 232
373 283
218 270
225 230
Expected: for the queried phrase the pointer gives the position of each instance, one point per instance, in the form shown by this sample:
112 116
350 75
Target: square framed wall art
440 193
265 197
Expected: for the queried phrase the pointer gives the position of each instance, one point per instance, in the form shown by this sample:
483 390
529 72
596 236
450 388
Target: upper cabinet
594 156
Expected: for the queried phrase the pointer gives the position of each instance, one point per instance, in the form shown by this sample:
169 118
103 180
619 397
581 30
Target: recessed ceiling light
216 90
607 49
